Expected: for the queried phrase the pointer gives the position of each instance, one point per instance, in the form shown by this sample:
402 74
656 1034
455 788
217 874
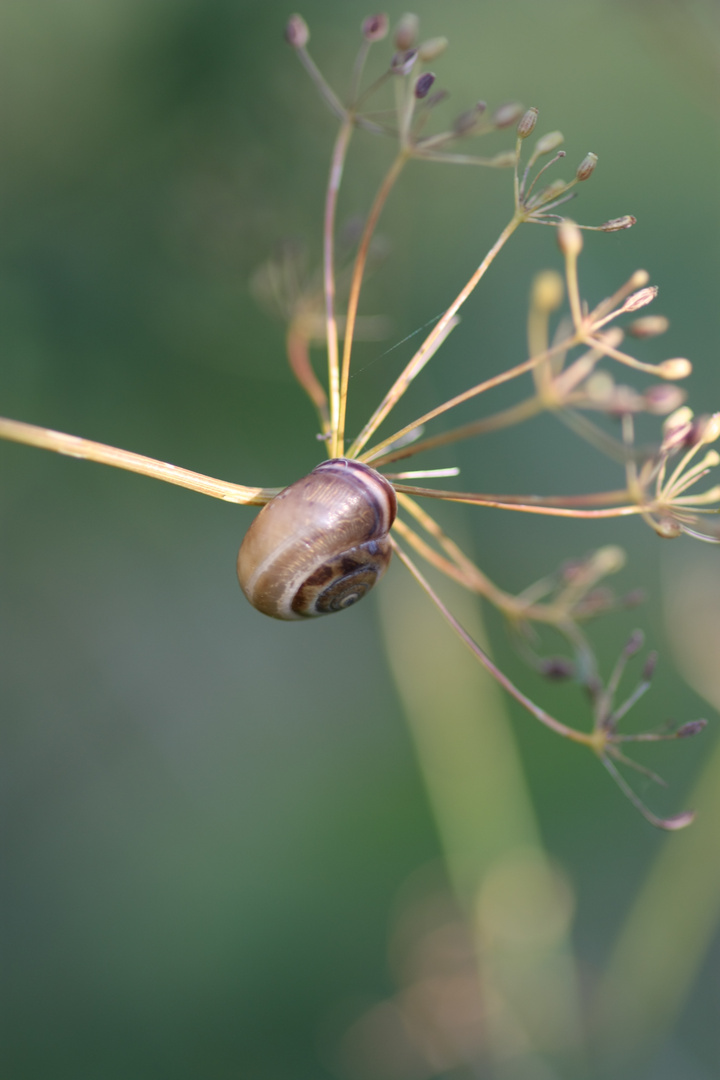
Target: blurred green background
208 817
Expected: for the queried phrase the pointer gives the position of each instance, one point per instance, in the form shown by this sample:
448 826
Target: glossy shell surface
321 544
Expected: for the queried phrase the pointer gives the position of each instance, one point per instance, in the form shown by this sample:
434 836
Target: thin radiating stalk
298 353
356 284
75 447
482 656
530 504
401 384
336 170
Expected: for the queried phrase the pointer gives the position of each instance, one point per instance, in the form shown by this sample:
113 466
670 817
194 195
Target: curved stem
72 446
356 284
531 504
337 164
482 656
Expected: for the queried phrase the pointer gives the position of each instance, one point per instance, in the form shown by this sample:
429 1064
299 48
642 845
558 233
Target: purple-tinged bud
648 326
634 644
432 48
661 399
693 727
547 143
586 167
480 107
618 223
640 299
375 27
296 32
569 239
436 98
406 32
508 114
527 123
403 63
649 667
423 84
465 122
504 160
557 667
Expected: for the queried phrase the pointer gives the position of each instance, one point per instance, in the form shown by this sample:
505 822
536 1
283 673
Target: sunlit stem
440 328
336 170
72 446
671 824
573 287
481 655
528 506
355 286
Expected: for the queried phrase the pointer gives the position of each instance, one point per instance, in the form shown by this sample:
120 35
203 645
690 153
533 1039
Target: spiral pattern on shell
321 544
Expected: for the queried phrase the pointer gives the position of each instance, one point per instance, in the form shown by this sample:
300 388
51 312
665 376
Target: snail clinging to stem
321 544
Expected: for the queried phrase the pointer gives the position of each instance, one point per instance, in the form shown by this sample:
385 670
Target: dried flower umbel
659 480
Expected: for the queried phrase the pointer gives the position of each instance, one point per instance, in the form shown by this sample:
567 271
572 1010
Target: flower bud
662 399
634 644
569 238
711 431
296 32
608 560
678 368
465 122
375 27
649 667
527 123
640 299
507 114
406 32
402 63
432 48
693 727
648 326
557 667
547 291
618 223
423 84
586 167
547 143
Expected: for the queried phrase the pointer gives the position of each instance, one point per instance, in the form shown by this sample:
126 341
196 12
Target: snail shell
321 544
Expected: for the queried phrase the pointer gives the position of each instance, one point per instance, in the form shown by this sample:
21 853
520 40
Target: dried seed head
661 399
569 239
423 84
432 48
507 114
547 143
527 123
586 167
557 667
402 63
375 27
296 32
648 326
465 122
640 299
634 644
406 31
618 223
693 727
548 290
649 667
678 368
